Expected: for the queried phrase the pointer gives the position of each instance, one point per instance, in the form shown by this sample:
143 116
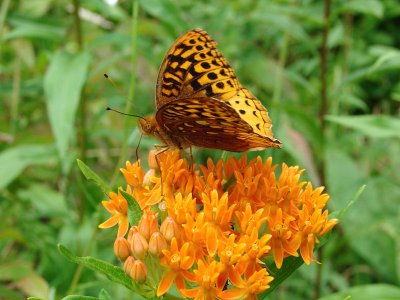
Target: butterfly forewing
194 67
200 101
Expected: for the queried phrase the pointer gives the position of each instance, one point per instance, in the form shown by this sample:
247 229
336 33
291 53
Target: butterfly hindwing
210 123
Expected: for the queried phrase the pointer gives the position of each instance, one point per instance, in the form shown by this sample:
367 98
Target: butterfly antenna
116 86
122 113
123 96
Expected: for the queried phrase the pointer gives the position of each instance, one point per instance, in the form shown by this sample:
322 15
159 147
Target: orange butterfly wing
200 101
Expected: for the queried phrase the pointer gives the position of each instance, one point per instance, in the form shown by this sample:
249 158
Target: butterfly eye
146 125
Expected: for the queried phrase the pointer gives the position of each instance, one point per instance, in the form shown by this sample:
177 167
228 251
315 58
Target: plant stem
132 89
277 92
322 112
3 14
16 93
81 134
324 64
82 103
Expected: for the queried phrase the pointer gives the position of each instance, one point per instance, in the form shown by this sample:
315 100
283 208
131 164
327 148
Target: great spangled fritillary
200 102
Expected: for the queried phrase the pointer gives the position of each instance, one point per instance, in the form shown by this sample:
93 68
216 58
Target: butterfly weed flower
208 230
118 207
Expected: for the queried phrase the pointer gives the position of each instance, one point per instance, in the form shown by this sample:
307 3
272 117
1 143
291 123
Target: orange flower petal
123 226
235 277
166 282
179 282
191 293
232 294
112 221
211 240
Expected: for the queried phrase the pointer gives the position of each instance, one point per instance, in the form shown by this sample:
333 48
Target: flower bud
138 271
169 229
148 224
121 248
157 244
128 264
147 177
139 245
152 160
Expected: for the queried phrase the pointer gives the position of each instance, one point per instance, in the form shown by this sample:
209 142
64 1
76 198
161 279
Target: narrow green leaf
104 295
343 211
63 84
52 202
367 292
371 7
167 11
14 160
134 210
79 297
91 175
112 272
290 264
375 126
32 29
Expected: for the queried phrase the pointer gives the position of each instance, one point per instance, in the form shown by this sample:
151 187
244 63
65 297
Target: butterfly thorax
149 127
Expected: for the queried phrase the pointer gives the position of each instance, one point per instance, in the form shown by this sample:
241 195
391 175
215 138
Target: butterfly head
148 125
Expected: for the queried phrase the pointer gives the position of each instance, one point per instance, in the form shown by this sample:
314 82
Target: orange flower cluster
217 223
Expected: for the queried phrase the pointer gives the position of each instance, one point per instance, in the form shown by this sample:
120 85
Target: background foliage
340 123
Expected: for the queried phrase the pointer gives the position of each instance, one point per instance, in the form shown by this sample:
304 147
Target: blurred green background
330 79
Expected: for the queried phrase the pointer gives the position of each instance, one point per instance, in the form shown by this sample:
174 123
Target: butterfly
200 102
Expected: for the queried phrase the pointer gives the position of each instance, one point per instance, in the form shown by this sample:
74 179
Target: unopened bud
152 160
169 229
147 177
157 243
138 272
128 264
139 245
121 248
148 224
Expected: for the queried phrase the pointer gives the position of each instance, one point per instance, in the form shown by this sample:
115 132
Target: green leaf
52 202
15 270
91 175
32 29
367 292
63 84
167 11
134 210
375 126
290 264
14 160
112 272
388 58
370 7
79 297
373 219
104 295
343 211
